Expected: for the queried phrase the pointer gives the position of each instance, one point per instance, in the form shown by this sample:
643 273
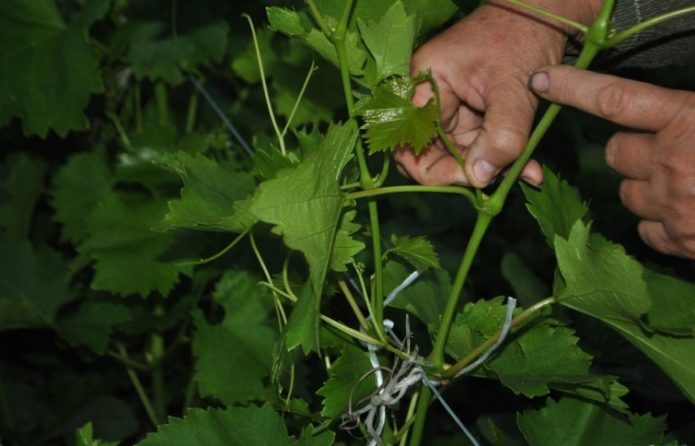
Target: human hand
658 162
482 65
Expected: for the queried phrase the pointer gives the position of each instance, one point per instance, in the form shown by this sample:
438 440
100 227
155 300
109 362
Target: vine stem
219 254
596 37
459 190
139 389
366 179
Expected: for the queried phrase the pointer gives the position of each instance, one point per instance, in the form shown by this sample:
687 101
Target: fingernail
484 171
540 82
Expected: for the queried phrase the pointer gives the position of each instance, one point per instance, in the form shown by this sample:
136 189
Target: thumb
625 102
509 111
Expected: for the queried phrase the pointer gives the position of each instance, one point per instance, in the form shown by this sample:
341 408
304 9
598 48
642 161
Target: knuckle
612 100
612 147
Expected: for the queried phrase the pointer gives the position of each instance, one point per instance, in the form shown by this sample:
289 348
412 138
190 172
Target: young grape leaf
297 24
238 426
126 252
390 41
33 285
538 357
24 176
268 162
304 204
599 279
426 298
92 323
345 247
208 196
430 13
555 206
391 120
342 382
233 358
50 69
574 422
418 251
77 188
165 59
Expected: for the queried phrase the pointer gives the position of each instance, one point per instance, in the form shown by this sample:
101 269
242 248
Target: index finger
626 102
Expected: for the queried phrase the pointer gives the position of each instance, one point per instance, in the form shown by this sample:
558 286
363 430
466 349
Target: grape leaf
50 69
208 196
126 252
342 381
165 59
304 204
418 251
391 120
239 426
556 206
19 192
33 285
234 357
599 279
345 247
92 323
527 363
390 41
77 188
574 422
539 357
268 162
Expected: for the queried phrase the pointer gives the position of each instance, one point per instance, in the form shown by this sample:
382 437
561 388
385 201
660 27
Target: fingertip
480 172
533 173
539 82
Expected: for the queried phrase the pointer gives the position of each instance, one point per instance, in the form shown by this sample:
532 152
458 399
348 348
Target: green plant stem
162 100
558 18
314 11
123 136
128 362
219 254
192 112
302 91
423 405
458 190
189 394
596 36
264 85
450 147
139 389
622 35
366 179
155 355
138 108
385 167
403 431
353 304
481 225
482 348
